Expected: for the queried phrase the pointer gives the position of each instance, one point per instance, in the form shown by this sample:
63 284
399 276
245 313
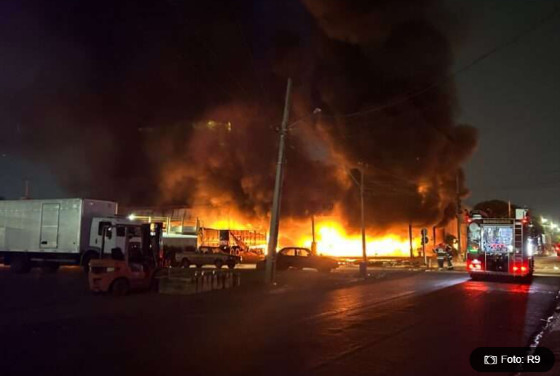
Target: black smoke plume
169 102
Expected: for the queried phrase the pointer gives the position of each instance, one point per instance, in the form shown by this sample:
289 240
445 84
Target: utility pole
313 242
410 240
275 213
459 214
363 264
363 269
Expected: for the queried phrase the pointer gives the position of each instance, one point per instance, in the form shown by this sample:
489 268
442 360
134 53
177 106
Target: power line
408 96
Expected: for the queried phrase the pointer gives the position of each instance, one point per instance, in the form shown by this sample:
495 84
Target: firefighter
441 255
449 256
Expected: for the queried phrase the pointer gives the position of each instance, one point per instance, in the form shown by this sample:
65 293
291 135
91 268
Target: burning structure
189 113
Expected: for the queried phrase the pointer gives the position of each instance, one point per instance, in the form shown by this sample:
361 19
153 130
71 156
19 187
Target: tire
185 263
172 260
231 265
219 263
154 284
120 287
20 264
90 255
50 267
528 279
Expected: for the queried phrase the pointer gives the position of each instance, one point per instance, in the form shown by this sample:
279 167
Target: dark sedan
299 258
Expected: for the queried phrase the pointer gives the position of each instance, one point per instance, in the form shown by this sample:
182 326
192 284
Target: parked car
206 256
299 258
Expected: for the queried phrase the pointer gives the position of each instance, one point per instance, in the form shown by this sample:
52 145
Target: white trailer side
56 229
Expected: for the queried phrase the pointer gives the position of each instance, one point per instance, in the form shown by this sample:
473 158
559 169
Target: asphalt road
401 323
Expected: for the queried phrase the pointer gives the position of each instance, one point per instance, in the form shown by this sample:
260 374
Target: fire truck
500 246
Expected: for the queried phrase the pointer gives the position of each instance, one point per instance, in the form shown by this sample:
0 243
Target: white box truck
50 233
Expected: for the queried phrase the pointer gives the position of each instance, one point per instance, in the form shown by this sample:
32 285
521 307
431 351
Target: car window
303 253
289 252
134 231
101 225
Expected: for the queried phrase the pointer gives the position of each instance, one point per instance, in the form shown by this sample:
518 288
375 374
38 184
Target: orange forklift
133 264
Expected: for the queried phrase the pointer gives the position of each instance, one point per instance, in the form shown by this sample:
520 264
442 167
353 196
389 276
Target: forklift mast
152 242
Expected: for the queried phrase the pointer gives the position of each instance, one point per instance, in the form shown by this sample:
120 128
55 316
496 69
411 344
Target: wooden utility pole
275 213
313 242
459 214
363 269
410 240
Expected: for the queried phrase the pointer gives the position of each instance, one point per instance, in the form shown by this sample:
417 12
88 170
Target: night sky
511 97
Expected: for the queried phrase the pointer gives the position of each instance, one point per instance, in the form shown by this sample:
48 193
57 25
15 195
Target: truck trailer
50 233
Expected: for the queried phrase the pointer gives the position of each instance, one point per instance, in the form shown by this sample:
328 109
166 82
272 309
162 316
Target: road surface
402 323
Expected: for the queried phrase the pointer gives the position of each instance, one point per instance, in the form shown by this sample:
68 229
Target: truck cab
130 258
107 233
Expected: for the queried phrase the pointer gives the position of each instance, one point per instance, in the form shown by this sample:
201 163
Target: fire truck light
523 268
475 265
132 217
475 261
515 268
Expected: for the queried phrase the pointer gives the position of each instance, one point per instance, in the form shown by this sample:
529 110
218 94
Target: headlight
110 269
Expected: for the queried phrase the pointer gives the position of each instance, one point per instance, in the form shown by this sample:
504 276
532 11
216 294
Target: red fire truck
500 246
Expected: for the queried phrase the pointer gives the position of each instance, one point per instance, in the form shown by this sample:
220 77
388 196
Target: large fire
333 240
331 236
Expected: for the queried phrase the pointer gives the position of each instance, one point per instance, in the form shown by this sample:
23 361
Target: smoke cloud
179 103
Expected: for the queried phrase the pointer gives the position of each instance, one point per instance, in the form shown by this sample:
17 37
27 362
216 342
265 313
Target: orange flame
333 240
331 236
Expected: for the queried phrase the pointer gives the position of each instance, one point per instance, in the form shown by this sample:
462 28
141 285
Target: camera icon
490 360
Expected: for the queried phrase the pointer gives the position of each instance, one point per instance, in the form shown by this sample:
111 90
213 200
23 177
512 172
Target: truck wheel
219 264
91 255
50 267
231 265
185 263
154 284
120 287
172 260
20 264
528 279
